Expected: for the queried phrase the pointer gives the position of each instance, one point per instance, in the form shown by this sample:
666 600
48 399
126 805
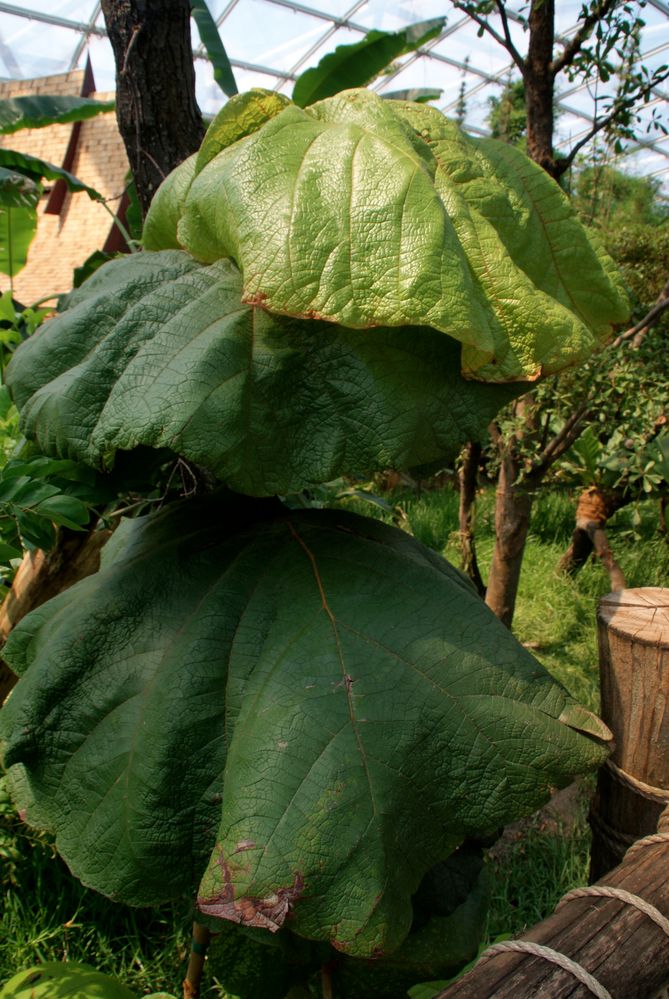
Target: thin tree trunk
157 114
513 510
468 476
539 85
603 551
595 507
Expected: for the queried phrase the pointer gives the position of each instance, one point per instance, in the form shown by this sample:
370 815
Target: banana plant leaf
421 95
17 190
17 228
303 712
37 168
159 350
39 111
358 64
211 40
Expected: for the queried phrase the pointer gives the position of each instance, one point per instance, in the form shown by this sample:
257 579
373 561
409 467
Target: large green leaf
53 980
160 229
157 349
306 710
39 111
34 167
533 218
239 117
211 40
449 915
363 212
17 228
358 64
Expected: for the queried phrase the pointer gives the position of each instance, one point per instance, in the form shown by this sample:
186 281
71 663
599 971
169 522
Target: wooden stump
633 632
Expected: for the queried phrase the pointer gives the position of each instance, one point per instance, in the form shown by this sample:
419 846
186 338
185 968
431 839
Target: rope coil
555 957
601 891
659 795
606 891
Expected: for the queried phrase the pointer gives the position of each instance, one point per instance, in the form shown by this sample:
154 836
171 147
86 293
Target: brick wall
64 241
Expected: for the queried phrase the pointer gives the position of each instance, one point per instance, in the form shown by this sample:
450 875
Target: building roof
70 226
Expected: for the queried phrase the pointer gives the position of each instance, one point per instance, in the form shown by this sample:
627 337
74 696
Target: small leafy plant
301 717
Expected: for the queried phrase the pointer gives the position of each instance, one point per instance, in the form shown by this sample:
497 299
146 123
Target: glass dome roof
270 42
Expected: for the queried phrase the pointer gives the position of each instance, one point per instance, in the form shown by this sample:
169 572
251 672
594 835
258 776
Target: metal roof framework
270 42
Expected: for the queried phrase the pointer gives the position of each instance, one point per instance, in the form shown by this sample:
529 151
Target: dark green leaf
32 492
211 40
35 167
10 486
268 403
89 266
8 552
66 511
40 111
17 190
314 711
41 467
5 402
449 916
356 65
248 968
36 531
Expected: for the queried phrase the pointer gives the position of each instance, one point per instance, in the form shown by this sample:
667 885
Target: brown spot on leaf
244 844
257 299
269 913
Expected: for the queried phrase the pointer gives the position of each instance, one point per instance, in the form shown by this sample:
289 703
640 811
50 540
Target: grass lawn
47 915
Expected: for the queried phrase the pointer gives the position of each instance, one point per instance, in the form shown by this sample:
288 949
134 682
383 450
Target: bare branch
573 47
505 42
561 442
616 109
649 320
572 428
509 46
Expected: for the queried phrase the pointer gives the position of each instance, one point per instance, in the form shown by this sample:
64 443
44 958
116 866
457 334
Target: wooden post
621 947
633 632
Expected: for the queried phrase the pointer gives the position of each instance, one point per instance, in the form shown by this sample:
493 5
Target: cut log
620 946
633 634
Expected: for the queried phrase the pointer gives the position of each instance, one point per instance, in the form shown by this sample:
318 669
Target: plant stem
326 982
198 954
121 228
